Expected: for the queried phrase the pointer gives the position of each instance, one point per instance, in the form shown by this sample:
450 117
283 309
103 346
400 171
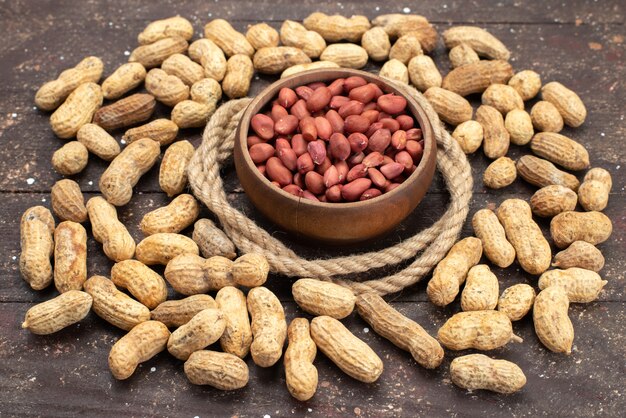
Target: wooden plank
67 374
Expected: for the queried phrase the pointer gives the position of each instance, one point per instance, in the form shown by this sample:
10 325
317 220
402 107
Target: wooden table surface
580 43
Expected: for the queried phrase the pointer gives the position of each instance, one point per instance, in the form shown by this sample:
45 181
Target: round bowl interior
335 223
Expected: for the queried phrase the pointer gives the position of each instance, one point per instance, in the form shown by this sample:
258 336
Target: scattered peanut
476 77
205 328
469 135
500 173
569 105
480 330
296 35
300 373
560 150
125 78
173 170
162 247
488 229
345 55
520 126
71 158
376 43
221 370
70 256
462 54
262 35
395 70
140 344
337 28
183 68
191 114
178 215
67 201
227 38
174 313
152 55
481 289
582 286
306 67
37 242
400 330
98 141
552 325
552 200
450 107
237 336
191 274
516 301
163 131
323 298
593 193
210 56
117 242
406 47
592 227
353 356
423 73
165 28
167 89
527 83
212 240
580 254
276 59
250 270
477 371
532 249
545 117
125 112
57 313
239 72
450 273
269 327
481 41
503 98
496 138
397 24
541 173
146 285
77 110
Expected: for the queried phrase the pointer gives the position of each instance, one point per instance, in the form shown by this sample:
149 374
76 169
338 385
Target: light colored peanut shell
552 324
560 150
481 289
178 215
67 201
423 73
239 72
516 301
300 373
173 169
337 28
167 89
450 107
323 298
250 270
163 131
592 227
395 70
210 56
70 159
306 67
582 286
469 135
488 229
212 240
476 77
152 55
237 336
481 41
98 141
70 256
345 55
262 35
376 43
207 91
184 68
276 59
269 327
580 254
146 285
503 98
125 78
227 38
191 114
520 126
462 54
57 313
500 173
37 244
496 138
205 328
295 34
406 47
117 242
398 24
593 193
165 28
480 330
527 83
552 200
545 117
569 105
162 247
541 173
77 110
477 371
174 313
221 370
191 274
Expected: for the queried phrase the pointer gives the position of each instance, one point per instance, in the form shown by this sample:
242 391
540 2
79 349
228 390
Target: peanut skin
202 330
70 256
269 327
174 313
300 373
57 313
141 344
480 330
143 283
173 218
477 371
400 330
323 298
221 370
552 324
37 242
237 336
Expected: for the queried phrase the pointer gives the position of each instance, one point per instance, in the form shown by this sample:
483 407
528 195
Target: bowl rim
425 125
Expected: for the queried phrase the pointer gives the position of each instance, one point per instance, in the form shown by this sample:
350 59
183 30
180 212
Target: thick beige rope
434 242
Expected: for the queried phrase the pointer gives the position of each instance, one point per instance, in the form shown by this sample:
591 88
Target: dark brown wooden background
580 43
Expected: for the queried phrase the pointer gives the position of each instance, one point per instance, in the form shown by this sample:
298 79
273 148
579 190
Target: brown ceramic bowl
336 223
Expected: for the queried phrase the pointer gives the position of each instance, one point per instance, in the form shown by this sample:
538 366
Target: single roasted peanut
481 289
178 215
37 243
117 242
168 89
165 28
173 169
532 249
77 110
394 70
450 273
191 114
481 41
337 28
67 201
174 313
423 73
480 330
516 301
250 270
71 158
345 55
262 35
541 173
527 83
184 68
569 105
406 47
496 138
152 55
115 307
162 247
221 370
450 107
227 38
212 240
53 93
400 330
269 327
323 298
560 150
592 227
552 200
545 117
162 131
469 135
353 356
125 78
376 43
500 173
462 54
593 193
276 59
207 91
503 98
300 373
146 285
296 35
125 112
205 328
239 72
520 126
191 274
140 344
580 254
98 141
70 256
477 76
210 56
488 229
306 67
582 286
237 336
398 24
552 324
477 371
117 182
62 311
